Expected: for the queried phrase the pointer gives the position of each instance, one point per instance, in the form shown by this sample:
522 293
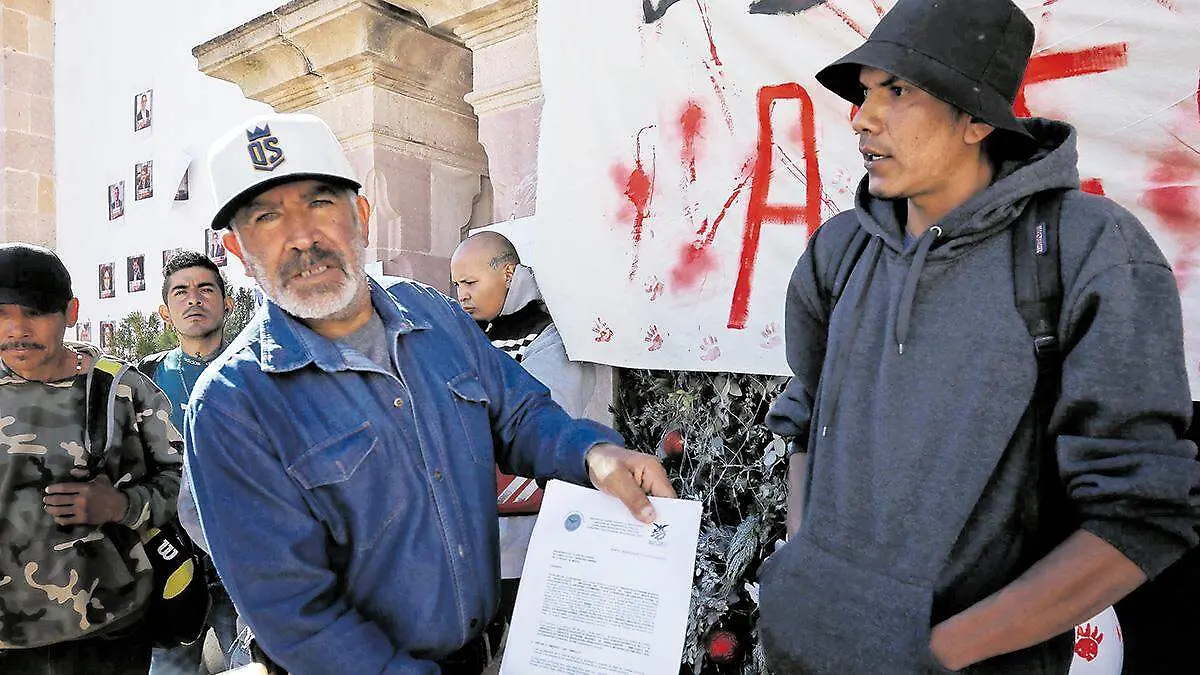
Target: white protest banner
687 152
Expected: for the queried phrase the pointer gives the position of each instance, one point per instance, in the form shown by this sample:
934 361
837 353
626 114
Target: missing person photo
83 331
116 200
143 180
135 266
141 109
169 253
107 330
107 290
214 248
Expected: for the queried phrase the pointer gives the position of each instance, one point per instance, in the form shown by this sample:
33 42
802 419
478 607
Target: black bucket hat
971 54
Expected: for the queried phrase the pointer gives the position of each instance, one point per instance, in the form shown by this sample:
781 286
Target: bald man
501 295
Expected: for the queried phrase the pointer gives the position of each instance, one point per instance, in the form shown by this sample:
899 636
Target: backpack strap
1038 290
846 251
1037 285
149 365
101 405
854 251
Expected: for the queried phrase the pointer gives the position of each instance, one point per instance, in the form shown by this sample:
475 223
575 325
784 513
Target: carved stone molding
450 15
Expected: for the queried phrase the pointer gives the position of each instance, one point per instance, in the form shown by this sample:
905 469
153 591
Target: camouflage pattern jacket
64 583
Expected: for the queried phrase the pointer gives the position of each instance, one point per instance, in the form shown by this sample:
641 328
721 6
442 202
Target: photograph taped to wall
116 200
135 268
83 331
107 289
142 105
143 180
107 330
213 247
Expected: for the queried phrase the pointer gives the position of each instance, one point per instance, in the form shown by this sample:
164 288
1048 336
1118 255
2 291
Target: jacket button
437 473
474 622
462 553
398 402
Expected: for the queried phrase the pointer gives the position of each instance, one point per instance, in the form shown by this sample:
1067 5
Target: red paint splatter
694 262
1169 6
712 46
878 7
759 210
1093 186
638 187
1174 195
1062 65
691 123
710 232
846 19
722 100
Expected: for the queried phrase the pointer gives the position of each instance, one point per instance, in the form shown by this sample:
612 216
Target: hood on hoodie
1051 166
522 290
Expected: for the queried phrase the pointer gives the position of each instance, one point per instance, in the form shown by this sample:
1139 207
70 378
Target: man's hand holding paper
603 592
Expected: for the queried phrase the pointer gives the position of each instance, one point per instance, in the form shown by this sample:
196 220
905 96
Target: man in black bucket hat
974 474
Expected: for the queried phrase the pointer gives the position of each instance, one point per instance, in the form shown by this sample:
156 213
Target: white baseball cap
270 150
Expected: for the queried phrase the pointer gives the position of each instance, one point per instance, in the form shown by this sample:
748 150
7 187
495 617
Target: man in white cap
341 451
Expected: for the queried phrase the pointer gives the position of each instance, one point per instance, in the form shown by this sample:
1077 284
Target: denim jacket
352 514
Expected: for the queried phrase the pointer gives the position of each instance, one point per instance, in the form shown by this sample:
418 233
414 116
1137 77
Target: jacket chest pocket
471 407
349 485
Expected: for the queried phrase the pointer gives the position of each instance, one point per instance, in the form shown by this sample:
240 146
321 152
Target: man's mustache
20 344
310 258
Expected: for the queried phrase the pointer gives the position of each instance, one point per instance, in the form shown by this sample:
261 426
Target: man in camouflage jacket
74 578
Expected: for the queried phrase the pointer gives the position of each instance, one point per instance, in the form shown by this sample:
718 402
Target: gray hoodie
923 485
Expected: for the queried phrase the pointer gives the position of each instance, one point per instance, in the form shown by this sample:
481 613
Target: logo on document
573 522
658 534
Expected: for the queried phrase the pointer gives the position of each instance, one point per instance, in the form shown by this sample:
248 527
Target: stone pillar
507 97
393 91
27 125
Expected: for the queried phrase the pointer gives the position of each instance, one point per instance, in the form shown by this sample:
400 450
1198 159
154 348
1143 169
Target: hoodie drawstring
904 309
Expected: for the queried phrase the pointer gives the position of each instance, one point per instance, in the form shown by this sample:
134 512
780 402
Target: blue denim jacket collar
288 344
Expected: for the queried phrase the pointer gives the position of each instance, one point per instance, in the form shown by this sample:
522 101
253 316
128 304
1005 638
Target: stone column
393 91
27 125
507 98
507 93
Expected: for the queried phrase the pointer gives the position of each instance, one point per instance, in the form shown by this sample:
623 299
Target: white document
602 592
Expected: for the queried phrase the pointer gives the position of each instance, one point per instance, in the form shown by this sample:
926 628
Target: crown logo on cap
263 147
258 132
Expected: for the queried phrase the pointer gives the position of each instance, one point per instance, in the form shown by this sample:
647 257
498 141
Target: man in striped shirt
501 295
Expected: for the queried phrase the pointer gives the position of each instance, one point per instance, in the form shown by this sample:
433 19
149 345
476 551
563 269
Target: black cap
34 277
972 55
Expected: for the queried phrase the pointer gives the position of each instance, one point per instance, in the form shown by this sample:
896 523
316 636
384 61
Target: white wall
105 53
